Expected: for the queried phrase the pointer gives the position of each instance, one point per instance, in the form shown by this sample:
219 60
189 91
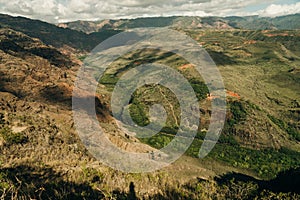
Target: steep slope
261 78
43 158
20 45
41 154
53 35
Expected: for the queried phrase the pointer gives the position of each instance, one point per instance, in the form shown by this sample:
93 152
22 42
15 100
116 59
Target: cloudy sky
70 10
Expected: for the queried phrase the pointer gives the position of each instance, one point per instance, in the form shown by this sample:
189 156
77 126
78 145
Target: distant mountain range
290 22
83 35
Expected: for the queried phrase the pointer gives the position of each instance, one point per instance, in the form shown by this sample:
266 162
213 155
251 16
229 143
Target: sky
57 11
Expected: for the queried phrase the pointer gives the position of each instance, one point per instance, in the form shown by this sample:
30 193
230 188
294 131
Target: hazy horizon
58 11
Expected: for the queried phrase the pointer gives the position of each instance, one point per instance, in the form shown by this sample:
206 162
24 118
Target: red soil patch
137 63
228 94
279 34
250 42
268 34
187 66
233 94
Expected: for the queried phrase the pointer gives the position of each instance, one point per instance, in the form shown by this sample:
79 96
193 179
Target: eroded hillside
42 157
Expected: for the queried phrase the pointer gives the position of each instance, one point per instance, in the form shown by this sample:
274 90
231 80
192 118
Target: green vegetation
138 113
200 88
290 128
266 163
109 80
238 113
147 96
82 57
12 138
260 138
158 141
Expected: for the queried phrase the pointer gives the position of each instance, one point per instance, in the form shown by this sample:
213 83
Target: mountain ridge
52 35
230 22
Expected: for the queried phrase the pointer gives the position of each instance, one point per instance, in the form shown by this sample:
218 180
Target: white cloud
71 10
278 10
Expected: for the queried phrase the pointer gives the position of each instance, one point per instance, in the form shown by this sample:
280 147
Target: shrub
138 114
2 121
200 88
12 138
291 129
